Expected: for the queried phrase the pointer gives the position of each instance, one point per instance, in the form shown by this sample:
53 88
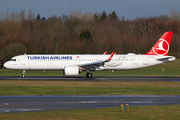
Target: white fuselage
58 62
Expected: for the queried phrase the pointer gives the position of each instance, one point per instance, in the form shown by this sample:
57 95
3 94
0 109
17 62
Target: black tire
88 75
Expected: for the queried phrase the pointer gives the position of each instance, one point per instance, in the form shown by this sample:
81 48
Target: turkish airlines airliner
75 64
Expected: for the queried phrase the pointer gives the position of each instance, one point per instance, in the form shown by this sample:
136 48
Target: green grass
25 87
170 69
165 112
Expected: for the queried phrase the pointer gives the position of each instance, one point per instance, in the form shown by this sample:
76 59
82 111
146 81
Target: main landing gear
88 75
23 74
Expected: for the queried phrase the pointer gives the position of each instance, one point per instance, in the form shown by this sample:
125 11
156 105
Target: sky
129 9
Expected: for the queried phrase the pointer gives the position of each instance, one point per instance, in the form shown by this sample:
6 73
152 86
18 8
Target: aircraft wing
95 65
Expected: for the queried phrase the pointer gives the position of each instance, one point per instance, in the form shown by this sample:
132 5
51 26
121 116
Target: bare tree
175 15
30 15
2 16
22 16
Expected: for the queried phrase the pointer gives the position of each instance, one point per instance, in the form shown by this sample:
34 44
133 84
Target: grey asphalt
74 102
95 78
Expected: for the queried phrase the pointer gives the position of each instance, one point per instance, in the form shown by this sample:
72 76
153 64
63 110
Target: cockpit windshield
12 60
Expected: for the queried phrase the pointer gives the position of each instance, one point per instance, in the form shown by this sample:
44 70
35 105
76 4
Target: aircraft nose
6 64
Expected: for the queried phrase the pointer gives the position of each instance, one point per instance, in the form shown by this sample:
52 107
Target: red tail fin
162 46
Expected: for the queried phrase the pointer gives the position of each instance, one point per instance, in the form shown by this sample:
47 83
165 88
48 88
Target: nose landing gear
23 74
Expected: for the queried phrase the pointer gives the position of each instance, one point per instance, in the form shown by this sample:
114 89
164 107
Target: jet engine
71 70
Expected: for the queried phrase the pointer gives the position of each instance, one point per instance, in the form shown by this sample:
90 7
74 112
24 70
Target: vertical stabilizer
162 46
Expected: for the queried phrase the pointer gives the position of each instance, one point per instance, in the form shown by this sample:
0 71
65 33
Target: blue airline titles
49 57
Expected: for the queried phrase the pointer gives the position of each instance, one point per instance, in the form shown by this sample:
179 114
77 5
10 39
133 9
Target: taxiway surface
95 78
71 102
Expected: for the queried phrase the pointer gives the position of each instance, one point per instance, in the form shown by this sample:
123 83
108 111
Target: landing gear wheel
88 75
23 74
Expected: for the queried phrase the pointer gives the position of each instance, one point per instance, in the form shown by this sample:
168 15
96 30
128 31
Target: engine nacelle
71 70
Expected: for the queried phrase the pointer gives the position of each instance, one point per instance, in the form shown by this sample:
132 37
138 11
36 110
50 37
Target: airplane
75 64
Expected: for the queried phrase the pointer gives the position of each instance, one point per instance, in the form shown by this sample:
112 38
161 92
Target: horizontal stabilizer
165 59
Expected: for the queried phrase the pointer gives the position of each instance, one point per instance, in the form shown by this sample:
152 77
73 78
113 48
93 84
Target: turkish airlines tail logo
162 45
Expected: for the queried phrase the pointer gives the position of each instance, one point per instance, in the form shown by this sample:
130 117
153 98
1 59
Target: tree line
87 33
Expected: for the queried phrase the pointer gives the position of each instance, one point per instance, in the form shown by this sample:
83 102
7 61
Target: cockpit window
12 59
